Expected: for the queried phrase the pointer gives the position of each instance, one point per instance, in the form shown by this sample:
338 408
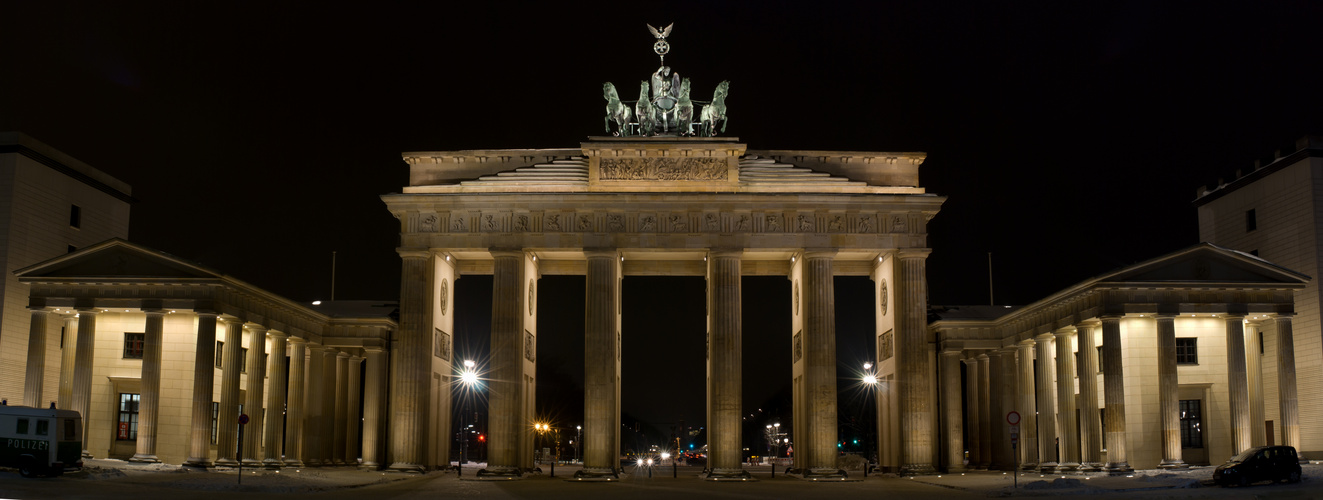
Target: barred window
1187 352
133 345
128 417
1192 434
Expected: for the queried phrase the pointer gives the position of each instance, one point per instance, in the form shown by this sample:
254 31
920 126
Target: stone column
83 364
314 419
351 412
601 357
1090 419
1114 395
913 369
36 359
1237 384
724 364
296 411
150 400
1254 380
984 411
1169 410
341 408
972 416
253 396
227 443
67 358
372 407
1286 389
275 403
1002 368
1065 384
326 433
952 421
820 368
1026 404
505 420
1045 394
411 364
204 377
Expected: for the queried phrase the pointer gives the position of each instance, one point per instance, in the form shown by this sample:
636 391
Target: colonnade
1005 379
321 411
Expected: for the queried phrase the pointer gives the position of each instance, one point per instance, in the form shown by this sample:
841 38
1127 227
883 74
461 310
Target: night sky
1069 139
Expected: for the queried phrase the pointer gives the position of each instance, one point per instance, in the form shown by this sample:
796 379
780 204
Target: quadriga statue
716 112
684 110
645 111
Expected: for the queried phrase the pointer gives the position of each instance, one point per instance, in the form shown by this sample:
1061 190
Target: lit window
1192 434
1187 352
128 417
133 345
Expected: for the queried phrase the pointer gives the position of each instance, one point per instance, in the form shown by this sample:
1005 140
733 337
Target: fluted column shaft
1026 404
227 443
150 402
724 382
411 364
1286 388
505 422
341 408
82 386
68 356
352 411
1254 381
973 416
204 377
296 412
1169 393
1114 395
314 419
36 374
1065 386
253 396
1002 369
275 402
601 356
1090 419
326 433
985 411
820 364
913 369
1237 384
372 407
952 421
1045 394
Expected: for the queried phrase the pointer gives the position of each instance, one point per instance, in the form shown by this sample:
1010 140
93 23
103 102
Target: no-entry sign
243 419
1013 418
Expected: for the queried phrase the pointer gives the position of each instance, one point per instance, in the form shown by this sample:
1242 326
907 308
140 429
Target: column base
1090 466
406 467
1118 469
1173 464
339 461
1028 467
917 470
294 462
226 462
824 474
252 462
375 466
1067 468
596 474
729 475
144 459
1048 467
87 454
505 472
272 463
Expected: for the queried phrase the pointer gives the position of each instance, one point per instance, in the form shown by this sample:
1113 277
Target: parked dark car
1264 463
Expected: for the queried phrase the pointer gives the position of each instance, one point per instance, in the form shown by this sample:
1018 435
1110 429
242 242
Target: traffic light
482 438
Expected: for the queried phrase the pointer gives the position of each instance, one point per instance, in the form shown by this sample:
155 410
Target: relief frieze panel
663 169
664 222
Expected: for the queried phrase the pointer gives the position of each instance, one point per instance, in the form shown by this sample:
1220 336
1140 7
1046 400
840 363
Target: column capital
1283 316
201 313
1088 323
374 349
1166 315
1064 331
1029 342
354 358
413 253
955 353
601 253
153 311
297 340
228 320
913 253
276 334
1234 316
256 328
91 311
1044 337
517 253
38 309
982 357
725 253
1106 317
341 354
820 253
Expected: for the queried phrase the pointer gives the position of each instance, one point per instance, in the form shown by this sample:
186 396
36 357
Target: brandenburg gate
653 206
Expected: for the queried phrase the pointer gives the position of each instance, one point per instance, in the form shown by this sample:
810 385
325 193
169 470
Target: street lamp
469 377
578 438
870 379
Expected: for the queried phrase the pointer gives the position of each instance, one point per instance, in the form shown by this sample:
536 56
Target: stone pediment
116 259
1208 264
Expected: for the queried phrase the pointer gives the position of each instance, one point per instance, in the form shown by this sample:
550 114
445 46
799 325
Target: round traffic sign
243 419
1013 418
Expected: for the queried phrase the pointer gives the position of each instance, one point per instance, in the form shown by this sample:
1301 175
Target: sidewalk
287 480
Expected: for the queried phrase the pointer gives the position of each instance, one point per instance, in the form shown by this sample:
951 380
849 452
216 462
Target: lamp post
578 438
469 377
870 380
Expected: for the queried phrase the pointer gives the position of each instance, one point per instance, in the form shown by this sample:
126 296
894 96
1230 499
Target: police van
40 441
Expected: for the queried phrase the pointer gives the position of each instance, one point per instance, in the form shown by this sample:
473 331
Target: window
243 360
63 331
72 249
220 353
128 418
75 216
43 427
1192 435
1100 359
133 345
215 420
1254 252
1260 334
22 427
1187 352
266 357
1251 222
